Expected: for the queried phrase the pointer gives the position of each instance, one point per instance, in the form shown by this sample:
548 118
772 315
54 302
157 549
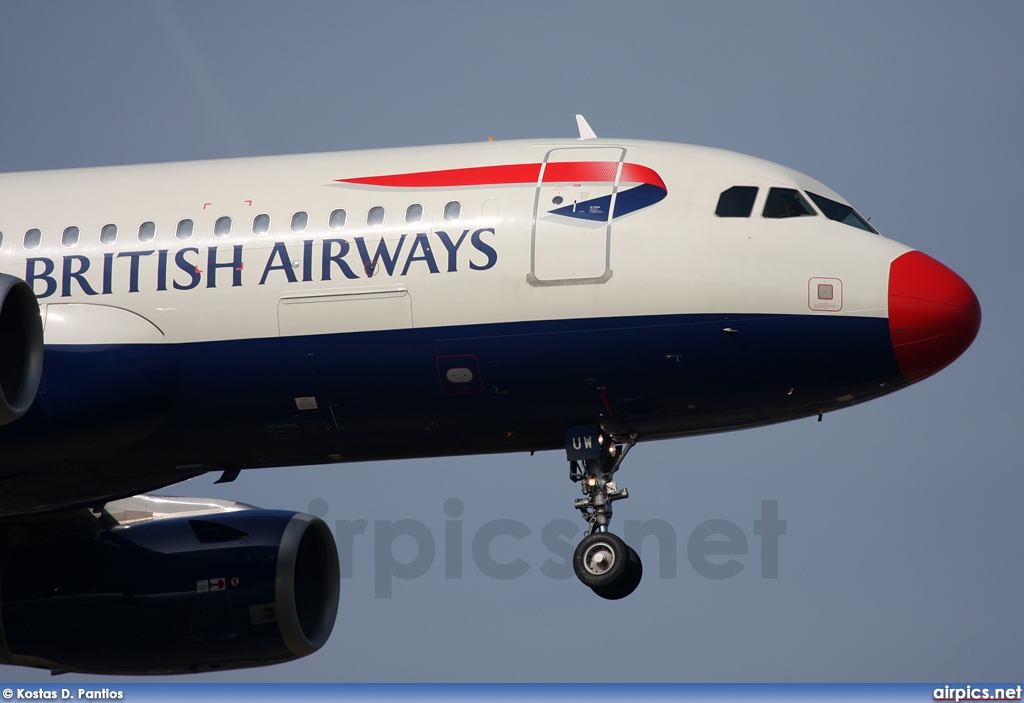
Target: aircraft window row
782 203
222 228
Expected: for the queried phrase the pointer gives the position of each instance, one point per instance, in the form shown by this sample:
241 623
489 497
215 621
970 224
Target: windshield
786 202
840 213
738 201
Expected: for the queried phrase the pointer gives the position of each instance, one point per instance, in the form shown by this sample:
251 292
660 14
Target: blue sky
904 550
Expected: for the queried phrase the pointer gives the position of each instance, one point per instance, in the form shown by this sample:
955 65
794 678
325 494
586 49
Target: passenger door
571 237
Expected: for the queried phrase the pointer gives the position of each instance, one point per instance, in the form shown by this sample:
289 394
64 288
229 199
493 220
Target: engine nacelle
173 595
21 348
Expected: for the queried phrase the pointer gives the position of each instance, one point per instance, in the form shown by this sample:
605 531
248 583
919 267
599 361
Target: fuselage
445 300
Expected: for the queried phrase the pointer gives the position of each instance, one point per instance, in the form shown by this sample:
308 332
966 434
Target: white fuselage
427 301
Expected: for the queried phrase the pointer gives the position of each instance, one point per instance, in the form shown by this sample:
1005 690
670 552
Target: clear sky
903 556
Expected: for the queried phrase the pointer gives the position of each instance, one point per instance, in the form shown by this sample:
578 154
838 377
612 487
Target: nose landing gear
602 561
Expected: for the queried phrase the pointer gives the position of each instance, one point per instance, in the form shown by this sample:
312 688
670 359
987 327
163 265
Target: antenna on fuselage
585 131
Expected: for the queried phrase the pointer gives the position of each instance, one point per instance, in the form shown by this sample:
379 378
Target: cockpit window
738 201
840 213
786 202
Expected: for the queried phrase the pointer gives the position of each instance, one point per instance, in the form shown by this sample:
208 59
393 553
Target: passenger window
337 220
108 235
414 214
222 227
261 224
452 211
70 237
32 239
738 201
299 222
184 231
840 213
375 217
786 202
147 232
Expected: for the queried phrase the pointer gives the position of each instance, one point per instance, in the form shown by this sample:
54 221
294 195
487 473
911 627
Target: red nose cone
933 315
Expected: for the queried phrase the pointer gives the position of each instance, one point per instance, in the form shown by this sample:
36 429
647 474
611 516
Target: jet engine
21 348
202 592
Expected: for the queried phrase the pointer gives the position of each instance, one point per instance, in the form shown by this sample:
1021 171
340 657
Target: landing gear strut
602 561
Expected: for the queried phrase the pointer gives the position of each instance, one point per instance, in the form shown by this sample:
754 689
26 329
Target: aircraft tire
600 559
627 583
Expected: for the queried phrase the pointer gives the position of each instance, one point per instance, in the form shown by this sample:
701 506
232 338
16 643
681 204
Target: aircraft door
571 241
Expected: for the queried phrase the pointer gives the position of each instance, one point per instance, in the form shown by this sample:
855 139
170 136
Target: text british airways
325 259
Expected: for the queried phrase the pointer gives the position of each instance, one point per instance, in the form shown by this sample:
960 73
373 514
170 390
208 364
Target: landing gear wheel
601 560
627 583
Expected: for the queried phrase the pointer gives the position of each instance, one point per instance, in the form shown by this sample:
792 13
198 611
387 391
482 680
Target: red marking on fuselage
576 172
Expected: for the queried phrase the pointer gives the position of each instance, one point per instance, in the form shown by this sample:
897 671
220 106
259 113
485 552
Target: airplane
158 322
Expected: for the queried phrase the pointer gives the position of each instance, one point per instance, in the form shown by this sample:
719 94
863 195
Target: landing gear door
572 216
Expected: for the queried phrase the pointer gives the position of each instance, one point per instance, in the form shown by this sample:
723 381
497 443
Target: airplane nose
933 315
